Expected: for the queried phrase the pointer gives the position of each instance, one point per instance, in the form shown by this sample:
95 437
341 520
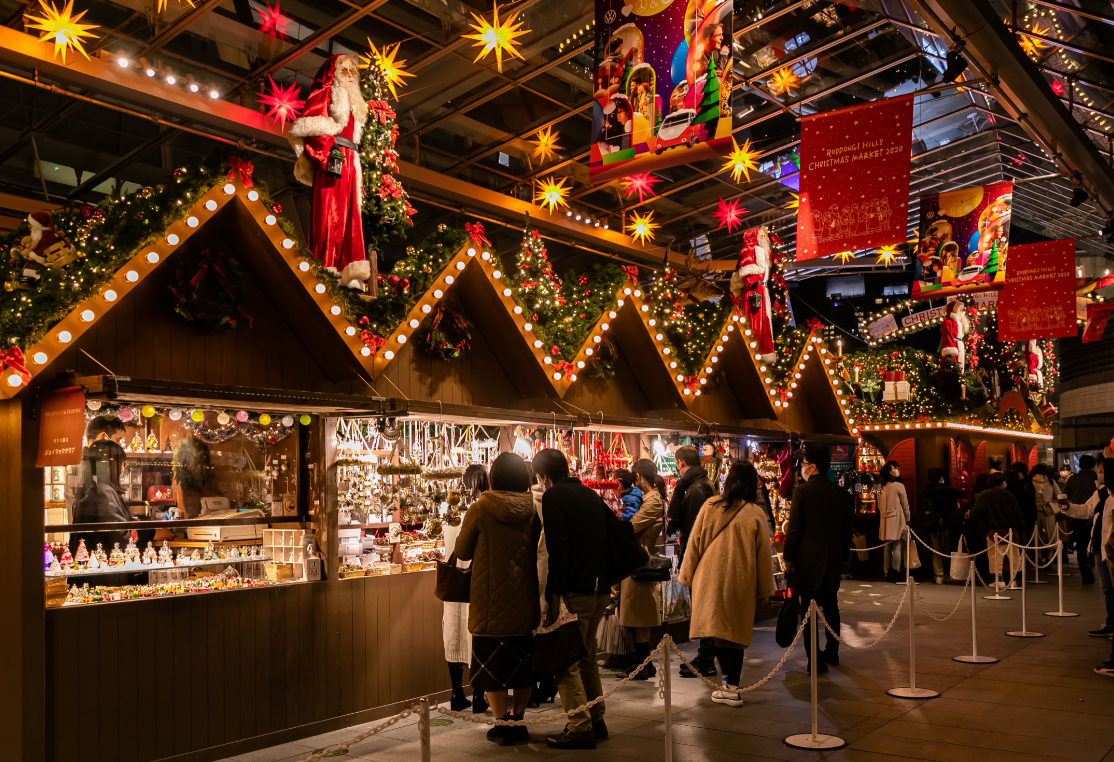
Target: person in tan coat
729 567
640 602
499 536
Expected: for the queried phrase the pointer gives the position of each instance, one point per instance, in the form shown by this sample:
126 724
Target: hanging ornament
242 416
783 81
93 404
264 419
175 414
546 143
125 414
844 257
197 416
389 68
887 255
795 204
223 418
288 421
283 103
642 227
641 183
552 193
148 411
729 214
741 160
497 36
271 22
62 28
304 420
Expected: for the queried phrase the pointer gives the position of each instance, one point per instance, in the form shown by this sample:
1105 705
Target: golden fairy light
62 28
546 143
887 255
496 35
783 80
384 60
741 160
642 227
552 193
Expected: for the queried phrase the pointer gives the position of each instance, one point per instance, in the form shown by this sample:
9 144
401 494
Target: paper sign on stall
61 428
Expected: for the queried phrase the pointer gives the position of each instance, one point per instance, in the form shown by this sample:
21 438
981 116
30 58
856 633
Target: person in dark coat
999 515
692 490
940 517
819 537
1017 482
575 526
1079 488
99 500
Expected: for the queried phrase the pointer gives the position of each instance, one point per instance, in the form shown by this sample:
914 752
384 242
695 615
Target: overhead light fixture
1078 196
956 65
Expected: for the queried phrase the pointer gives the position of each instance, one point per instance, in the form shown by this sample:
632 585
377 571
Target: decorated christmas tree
386 211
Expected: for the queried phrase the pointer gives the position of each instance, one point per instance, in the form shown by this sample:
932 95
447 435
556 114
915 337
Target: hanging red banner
1038 301
1097 317
854 177
61 426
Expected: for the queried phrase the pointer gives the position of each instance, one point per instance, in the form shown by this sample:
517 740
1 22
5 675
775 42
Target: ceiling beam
162 38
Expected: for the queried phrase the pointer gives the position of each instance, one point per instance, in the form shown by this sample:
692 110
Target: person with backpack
940 516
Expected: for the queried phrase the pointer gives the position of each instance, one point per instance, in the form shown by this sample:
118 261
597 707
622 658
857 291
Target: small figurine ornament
67 559
116 558
82 555
183 557
131 553
210 553
101 555
165 556
149 554
195 556
48 555
94 562
55 566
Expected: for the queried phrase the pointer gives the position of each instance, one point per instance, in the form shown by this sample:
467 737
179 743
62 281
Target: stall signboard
662 85
963 242
61 428
1038 301
854 177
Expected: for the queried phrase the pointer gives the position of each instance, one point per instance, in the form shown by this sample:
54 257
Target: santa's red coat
336 234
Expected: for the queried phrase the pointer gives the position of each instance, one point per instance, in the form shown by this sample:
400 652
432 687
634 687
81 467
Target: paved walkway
1042 701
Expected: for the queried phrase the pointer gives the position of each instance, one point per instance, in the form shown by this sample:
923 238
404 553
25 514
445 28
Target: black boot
515 734
479 702
459 702
641 651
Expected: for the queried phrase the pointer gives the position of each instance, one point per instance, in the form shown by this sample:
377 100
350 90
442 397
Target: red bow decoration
410 211
13 360
631 271
373 342
784 395
815 325
381 111
692 383
476 232
240 168
564 366
388 186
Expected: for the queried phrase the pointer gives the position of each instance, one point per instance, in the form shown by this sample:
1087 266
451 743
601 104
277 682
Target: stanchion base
1039 582
917 693
806 741
1058 613
1025 634
975 659
997 597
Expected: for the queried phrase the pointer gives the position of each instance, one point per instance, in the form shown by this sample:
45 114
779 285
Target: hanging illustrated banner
964 235
1038 301
662 85
61 428
854 177
1097 317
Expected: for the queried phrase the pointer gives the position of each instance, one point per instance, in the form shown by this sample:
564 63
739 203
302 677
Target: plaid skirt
499 664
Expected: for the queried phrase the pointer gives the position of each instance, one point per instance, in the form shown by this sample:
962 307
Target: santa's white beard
355 98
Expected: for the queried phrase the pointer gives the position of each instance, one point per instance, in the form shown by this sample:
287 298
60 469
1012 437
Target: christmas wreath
207 292
447 339
602 365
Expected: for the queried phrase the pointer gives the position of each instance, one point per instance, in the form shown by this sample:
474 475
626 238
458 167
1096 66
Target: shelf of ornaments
117 526
138 566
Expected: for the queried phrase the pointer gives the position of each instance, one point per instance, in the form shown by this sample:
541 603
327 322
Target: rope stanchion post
1036 565
815 739
974 658
666 678
423 728
1060 582
1024 631
998 585
912 691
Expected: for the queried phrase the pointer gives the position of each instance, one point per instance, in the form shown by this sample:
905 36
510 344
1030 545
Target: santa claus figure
44 247
953 331
748 286
326 140
1034 357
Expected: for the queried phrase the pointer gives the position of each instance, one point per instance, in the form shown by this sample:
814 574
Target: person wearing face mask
821 516
893 513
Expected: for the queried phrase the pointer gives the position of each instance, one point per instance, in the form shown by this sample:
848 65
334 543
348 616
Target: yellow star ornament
783 80
552 193
887 256
546 143
844 257
497 36
741 160
1032 45
795 204
62 28
642 227
391 69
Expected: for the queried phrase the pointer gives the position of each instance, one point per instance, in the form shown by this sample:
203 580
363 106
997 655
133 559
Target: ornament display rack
139 568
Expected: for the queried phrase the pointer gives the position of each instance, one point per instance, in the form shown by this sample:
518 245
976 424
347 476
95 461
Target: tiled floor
1042 701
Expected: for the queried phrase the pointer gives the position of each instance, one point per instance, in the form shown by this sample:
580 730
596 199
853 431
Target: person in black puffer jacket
940 517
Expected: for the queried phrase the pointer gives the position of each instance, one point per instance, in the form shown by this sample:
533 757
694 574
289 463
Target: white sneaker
729 698
1014 586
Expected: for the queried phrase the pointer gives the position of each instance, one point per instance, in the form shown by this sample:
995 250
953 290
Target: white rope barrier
944 555
331 751
962 594
881 637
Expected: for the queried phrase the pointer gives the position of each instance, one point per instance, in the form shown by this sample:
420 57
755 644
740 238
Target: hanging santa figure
953 331
326 140
1034 357
749 287
44 247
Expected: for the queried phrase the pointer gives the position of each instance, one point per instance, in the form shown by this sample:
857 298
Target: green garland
386 210
447 341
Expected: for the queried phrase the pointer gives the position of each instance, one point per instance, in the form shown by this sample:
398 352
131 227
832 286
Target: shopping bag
858 539
961 563
787 622
914 561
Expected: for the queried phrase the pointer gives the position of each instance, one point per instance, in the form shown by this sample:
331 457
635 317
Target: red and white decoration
953 331
748 286
326 140
1034 359
896 387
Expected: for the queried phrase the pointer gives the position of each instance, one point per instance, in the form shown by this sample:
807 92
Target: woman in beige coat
893 519
729 567
640 602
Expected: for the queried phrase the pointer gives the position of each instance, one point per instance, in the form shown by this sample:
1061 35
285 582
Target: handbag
658 569
454 585
960 566
787 622
914 560
625 553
